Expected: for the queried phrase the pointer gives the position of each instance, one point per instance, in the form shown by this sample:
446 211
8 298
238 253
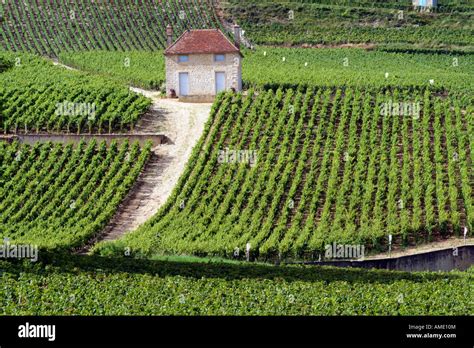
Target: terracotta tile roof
202 41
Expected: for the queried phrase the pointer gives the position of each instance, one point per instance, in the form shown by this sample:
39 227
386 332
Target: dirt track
183 124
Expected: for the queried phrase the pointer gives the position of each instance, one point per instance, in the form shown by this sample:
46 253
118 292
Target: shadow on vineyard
5 64
61 262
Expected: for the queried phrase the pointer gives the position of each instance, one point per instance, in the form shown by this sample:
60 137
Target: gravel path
183 124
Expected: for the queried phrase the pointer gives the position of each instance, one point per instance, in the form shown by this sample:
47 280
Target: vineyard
59 196
355 127
320 165
54 27
166 288
269 67
49 27
272 67
137 68
337 22
36 96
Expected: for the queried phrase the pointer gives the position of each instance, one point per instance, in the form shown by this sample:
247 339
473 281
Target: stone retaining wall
460 258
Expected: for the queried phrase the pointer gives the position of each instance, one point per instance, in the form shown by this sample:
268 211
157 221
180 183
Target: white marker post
389 245
247 251
465 234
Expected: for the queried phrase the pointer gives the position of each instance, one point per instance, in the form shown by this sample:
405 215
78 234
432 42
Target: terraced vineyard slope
286 172
59 196
391 23
49 27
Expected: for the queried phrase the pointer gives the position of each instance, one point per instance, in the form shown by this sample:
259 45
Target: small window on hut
183 58
219 57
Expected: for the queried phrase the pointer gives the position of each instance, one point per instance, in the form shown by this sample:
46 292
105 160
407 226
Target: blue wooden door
220 81
183 83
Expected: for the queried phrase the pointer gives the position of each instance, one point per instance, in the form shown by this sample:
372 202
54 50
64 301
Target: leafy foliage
139 287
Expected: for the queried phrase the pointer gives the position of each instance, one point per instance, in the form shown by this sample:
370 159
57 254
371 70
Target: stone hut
202 63
425 4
